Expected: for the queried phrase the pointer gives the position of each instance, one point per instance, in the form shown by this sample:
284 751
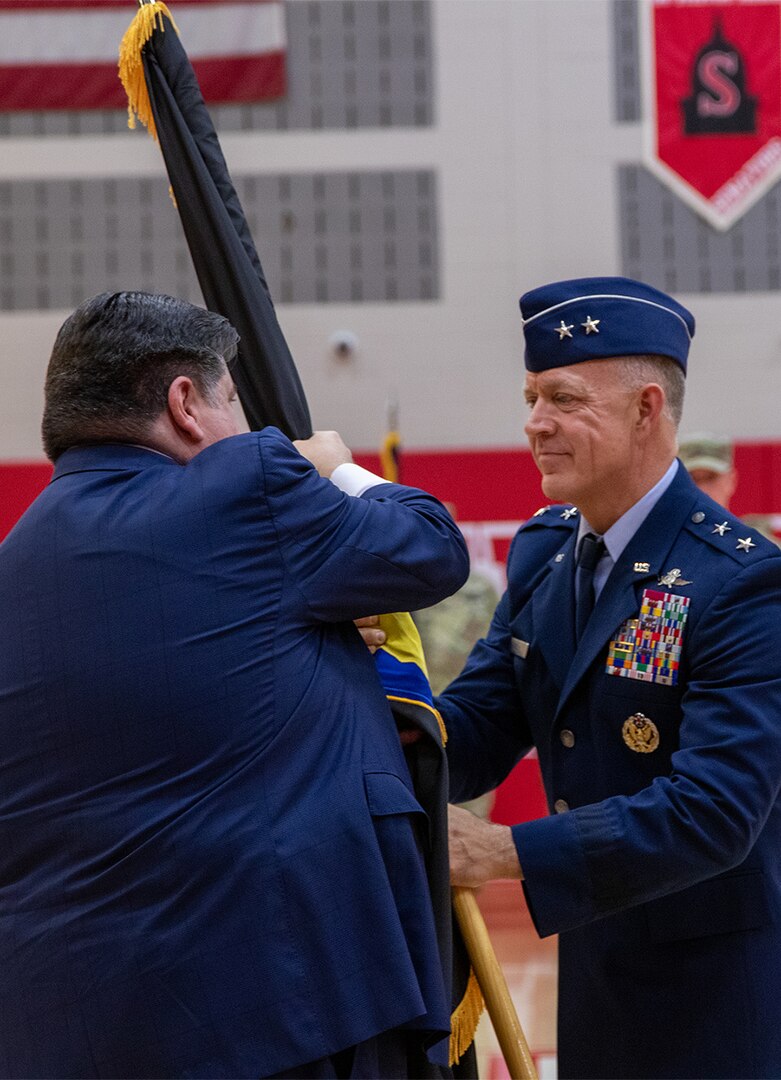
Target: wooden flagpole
493 985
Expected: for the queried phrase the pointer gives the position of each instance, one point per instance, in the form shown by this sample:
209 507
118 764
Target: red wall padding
20 482
503 485
483 485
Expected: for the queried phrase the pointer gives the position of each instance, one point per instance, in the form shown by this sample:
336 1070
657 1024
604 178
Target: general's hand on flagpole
480 851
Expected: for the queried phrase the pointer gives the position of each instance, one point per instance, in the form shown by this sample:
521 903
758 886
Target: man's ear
183 408
650 405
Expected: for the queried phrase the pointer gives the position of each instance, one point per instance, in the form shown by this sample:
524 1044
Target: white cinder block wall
525 150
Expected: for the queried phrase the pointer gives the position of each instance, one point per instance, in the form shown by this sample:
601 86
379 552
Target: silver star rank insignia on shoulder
570 512
745 545
673 578
542 510
723 528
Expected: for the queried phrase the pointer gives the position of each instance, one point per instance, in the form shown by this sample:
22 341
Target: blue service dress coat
210 856
660 864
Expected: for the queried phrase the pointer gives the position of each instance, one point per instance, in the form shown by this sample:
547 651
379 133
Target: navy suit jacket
210 849
662 870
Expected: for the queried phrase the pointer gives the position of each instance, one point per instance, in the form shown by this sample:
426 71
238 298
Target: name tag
519 647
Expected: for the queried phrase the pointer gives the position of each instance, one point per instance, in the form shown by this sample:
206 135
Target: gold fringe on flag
148 18
422 705
465 1018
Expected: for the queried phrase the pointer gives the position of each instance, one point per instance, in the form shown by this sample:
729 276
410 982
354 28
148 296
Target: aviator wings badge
673 578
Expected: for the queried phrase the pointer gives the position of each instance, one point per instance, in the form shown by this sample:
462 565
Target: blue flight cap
568 322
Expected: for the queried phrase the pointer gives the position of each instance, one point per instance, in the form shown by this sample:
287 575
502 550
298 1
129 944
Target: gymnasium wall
431 160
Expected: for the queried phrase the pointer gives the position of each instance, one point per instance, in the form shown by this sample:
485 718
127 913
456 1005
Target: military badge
519 647
673 578
640 734
648 647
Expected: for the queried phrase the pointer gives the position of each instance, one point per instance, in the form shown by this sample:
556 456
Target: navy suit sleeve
705 816
483 714
393 549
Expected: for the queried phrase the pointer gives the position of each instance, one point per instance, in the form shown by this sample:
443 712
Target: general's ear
183 401
651 401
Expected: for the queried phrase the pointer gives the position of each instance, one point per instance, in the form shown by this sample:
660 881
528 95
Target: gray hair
637 371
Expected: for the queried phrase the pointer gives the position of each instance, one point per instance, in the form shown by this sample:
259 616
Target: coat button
561 806
567 737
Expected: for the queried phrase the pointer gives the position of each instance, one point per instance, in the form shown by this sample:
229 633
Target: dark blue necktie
590 551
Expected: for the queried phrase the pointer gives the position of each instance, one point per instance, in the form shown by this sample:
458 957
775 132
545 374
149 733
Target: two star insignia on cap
591 326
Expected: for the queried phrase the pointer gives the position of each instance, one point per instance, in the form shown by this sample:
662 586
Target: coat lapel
553 612
620 598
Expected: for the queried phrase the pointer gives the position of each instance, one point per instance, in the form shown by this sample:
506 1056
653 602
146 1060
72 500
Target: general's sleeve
392 549
483 714
705 816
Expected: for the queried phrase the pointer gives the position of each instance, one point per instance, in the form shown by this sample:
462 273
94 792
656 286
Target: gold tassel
442 728
131 69
465 1018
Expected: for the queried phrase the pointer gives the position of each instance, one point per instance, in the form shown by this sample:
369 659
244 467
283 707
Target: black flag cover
165 95
226 262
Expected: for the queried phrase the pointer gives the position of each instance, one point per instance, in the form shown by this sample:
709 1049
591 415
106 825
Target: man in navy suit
637 648
211 856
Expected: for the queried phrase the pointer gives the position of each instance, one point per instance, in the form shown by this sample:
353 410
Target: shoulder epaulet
729 535
558 516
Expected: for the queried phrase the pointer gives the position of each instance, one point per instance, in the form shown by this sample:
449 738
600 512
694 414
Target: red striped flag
62 54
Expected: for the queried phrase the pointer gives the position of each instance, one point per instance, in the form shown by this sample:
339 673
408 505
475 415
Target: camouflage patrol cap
706 451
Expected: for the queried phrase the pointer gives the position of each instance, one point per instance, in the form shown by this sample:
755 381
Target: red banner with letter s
713 102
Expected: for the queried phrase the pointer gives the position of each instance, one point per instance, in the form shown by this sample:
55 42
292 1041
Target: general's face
581 429
219 420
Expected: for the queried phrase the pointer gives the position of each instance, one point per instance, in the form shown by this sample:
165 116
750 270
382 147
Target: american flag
62 54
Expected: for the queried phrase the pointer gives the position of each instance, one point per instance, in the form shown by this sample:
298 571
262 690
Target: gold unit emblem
640 734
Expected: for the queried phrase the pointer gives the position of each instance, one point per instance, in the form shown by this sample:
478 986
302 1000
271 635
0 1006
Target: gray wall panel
368 236
626 61
665 242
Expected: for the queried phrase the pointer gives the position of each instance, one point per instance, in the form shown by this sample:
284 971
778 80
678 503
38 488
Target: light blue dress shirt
618 535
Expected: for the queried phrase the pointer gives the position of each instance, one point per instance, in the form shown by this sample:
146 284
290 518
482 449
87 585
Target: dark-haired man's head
143 368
